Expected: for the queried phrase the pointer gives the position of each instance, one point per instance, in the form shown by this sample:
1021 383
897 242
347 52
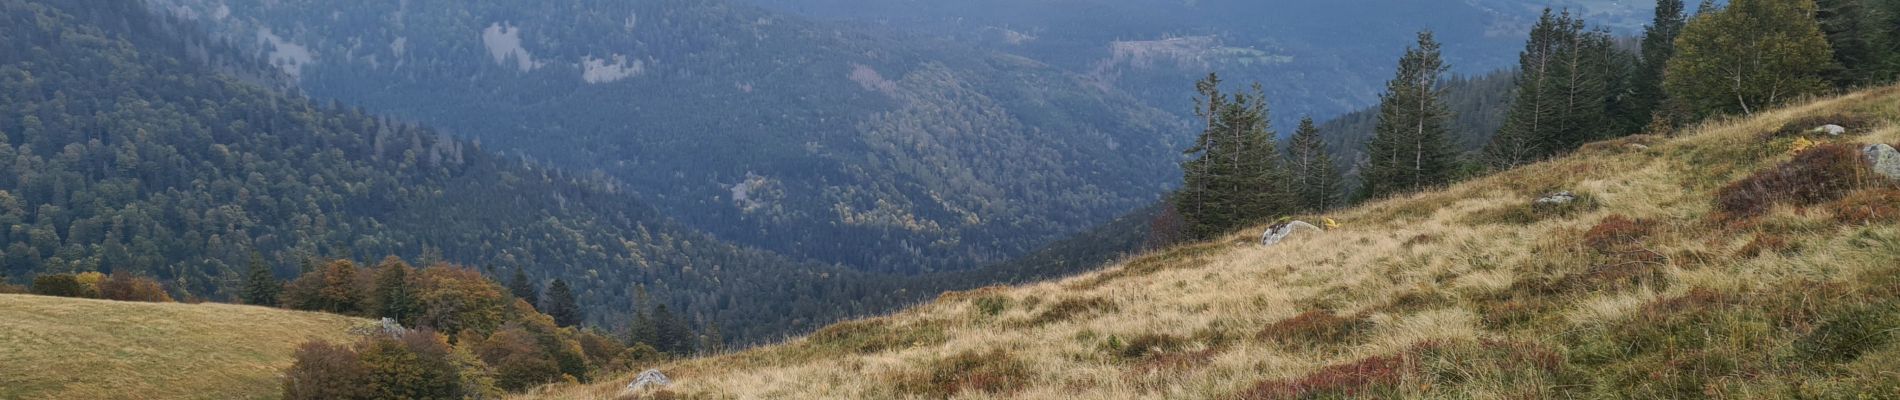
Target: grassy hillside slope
64 348
1643 290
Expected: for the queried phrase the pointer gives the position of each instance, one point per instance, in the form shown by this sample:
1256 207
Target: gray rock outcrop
1280 231
652 378
1883 159
1831 130
1557 198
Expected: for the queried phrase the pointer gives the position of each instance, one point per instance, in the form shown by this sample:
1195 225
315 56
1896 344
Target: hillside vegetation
1731 260
65 348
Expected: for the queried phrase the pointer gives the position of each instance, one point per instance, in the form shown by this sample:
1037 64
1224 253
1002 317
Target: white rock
1279 232
1557 198
651 378
1884 160
1830 130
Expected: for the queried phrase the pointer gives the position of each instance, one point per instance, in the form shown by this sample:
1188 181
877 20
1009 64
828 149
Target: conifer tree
1648 103
1410 148
522 288
261 287
1316 180
1235 177
1749 56
560 304
642 330
1857 31
1567 89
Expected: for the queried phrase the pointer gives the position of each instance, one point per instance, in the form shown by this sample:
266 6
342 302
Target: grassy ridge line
66 348
1460 273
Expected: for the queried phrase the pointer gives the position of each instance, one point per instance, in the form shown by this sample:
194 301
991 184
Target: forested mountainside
122 152
875 149
1314 57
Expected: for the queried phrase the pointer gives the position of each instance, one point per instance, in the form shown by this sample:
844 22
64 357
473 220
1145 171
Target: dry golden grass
65 348
1469 294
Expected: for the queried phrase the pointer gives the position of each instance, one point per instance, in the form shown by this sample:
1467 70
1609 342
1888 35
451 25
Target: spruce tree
642 330
522 288
1235 177
1410 148
1569 86
1648 104
561 306
261 287
1747 57
1316 180
1852 32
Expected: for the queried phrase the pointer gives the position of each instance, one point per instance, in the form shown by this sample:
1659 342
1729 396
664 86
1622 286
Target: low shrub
1818 175
1373 377
1767 243
1069 309
1143 345
875 335
1317 327
63 285
1533 212
1616 233
127 287
990 306
1844 335
1868 207
994 372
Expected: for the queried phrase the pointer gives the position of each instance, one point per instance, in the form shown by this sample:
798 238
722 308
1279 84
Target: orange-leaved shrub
127 287
416 364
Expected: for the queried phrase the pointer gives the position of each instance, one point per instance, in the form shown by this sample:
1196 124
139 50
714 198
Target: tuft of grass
993 372
1768 243
1616 233
1531 212
875 335
1855 123
1372 377
990 306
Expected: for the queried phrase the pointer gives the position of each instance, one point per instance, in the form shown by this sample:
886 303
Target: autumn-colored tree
416 365
128 287
326 371
62 285
335 287
455 299
393 293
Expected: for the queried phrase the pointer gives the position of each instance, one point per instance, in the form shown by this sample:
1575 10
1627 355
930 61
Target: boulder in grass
1830 130
1559 198
1280 231
1883 159
652 378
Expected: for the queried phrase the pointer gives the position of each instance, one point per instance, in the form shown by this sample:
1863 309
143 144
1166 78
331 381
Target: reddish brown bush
127 287
1315 328
1071 308
1367 378
1818 175
1765 243
1868 207
1616 233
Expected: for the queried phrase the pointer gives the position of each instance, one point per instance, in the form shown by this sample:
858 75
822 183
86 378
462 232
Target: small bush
1868 207
1818 175
1844 335
1144 345
1521 303
63 285
126 287
995 372
8 288
1766 243
1616 233
1374 377
990 306
1069 309
325 371
1317 327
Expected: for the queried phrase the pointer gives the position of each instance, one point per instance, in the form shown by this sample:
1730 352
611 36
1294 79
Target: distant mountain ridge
873 149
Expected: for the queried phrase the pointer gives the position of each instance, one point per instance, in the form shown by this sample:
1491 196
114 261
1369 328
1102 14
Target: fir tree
1235 177
261 287
642 330
522 288
1853 31
1648 103
560 304
1568 85
1410 148
1316 180
1747 57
